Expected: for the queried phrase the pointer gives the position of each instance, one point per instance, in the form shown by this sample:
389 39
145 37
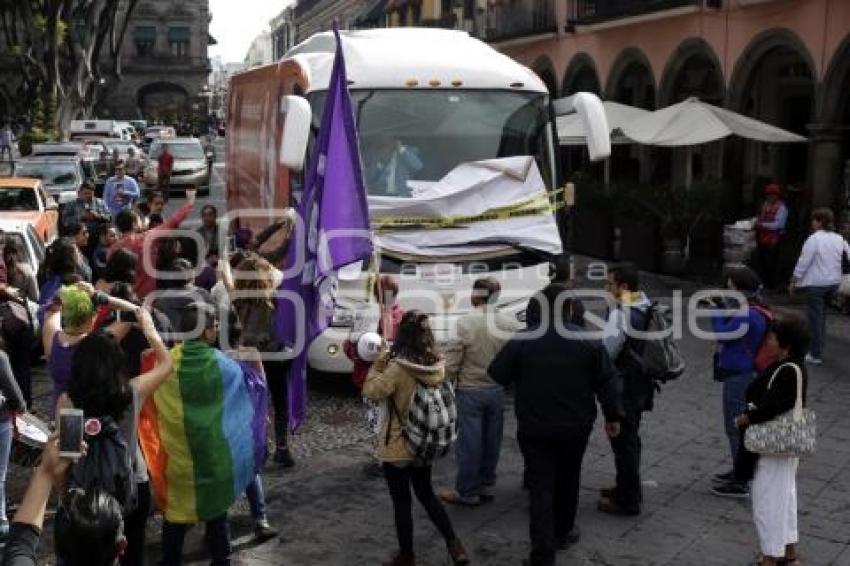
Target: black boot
283 456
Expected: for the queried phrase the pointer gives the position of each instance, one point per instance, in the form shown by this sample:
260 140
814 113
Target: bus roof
395 57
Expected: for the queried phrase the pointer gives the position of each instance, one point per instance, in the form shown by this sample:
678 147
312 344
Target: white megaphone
369 346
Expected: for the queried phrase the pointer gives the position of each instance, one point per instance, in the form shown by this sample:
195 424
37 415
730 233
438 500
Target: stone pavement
331 514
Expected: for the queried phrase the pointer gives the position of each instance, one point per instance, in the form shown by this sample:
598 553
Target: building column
825 167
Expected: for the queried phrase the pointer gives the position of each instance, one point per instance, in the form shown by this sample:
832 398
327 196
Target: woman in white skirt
774 478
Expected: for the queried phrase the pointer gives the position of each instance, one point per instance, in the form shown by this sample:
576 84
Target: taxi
24 199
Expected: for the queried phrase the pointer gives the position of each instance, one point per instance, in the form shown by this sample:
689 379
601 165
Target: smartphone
126 316
70 433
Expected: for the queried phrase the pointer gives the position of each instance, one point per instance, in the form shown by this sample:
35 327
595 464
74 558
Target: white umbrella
693 122
571 128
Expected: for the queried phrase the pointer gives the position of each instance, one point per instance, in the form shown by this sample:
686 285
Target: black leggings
277 377
399 481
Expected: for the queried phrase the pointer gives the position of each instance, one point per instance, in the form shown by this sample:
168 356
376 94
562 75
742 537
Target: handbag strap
798 403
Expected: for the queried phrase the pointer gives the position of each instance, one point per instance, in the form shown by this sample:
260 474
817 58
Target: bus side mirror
593 118
296 132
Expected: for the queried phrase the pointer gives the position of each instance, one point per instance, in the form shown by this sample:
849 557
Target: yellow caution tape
534 206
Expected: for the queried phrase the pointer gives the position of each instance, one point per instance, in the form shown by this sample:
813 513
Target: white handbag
790 434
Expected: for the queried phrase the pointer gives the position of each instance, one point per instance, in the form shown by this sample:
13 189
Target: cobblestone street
330 513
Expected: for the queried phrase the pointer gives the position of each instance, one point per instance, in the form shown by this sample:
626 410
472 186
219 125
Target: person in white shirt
819 273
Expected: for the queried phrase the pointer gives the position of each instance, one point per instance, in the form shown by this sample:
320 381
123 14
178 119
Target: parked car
62 176
88 150
26 200
122 147
191 165
153 133
31 243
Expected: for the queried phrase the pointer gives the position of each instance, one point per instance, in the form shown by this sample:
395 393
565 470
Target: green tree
65 49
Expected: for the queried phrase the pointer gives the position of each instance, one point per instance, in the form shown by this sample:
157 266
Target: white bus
431 105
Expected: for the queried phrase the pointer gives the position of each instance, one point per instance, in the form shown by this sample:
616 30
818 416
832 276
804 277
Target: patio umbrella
571 129
693 122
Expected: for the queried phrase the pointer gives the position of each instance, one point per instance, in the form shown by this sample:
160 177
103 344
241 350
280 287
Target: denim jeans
480 423
256 498
817 299
216 536
5 449
735 404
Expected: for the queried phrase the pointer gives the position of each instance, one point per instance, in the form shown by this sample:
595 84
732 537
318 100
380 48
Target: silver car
62 176
191 165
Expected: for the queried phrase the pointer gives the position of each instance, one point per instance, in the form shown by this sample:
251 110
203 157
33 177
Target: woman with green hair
67 320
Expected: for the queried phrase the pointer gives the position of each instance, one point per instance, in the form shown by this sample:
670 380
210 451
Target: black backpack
108 465
659 358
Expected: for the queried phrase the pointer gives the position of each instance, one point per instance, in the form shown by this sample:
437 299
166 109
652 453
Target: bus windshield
421 135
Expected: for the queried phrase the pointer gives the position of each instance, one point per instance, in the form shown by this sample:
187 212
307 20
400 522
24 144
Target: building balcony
515 20
166 62
592 12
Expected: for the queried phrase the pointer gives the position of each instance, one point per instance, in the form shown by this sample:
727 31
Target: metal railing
585 12
520 19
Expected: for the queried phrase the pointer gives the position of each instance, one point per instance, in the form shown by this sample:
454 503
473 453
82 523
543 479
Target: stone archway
692 70
774 81
581 76
631 80
164 101
831 136
546 71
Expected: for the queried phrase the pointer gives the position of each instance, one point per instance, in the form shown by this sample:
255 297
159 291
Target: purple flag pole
335 216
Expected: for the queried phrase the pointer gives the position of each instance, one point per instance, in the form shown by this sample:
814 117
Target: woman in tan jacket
413 359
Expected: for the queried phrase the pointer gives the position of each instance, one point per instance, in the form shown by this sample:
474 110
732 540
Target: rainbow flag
196 432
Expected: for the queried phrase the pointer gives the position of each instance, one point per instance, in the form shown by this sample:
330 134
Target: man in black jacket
558 376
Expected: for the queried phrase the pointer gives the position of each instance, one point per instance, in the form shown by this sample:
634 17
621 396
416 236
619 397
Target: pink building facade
786 62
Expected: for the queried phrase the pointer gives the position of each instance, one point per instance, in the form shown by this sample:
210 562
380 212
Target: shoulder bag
790 434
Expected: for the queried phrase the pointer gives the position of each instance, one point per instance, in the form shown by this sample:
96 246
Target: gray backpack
662 359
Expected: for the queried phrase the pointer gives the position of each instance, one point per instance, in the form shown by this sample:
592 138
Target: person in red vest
770 228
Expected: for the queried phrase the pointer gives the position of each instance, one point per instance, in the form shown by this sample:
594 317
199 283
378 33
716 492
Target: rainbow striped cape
196 432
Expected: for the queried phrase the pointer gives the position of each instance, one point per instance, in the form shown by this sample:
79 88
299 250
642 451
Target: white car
26 235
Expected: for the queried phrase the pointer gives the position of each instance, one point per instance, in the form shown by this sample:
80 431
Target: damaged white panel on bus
478 207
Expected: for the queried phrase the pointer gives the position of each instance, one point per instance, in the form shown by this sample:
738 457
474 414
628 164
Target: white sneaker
813 360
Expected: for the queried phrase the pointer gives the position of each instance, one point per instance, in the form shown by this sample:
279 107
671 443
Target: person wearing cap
770 227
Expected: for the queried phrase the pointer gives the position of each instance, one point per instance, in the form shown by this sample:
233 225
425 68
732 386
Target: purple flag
335 216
